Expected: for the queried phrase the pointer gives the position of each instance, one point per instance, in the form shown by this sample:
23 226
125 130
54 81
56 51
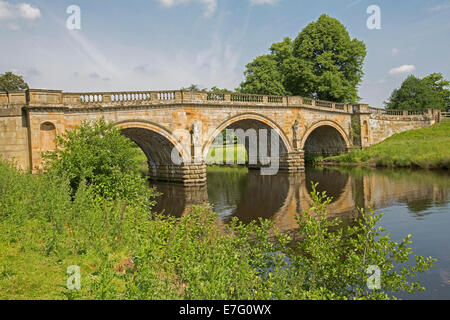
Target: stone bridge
184 124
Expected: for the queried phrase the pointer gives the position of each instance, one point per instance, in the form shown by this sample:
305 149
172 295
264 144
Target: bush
100 155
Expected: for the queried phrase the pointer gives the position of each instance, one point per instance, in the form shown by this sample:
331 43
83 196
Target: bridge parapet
57 98
12 98
417 114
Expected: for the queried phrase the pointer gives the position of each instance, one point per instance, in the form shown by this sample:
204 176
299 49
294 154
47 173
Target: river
415 202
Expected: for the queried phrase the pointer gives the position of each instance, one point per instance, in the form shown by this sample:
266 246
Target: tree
194 87
10 82
100 155
263 77
323 62
431 92
215 89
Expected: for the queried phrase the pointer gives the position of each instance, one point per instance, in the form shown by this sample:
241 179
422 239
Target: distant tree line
430 92
11 82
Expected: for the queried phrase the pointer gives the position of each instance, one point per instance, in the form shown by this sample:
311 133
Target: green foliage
218 90
263 77
355 131
97 152
336 258
195 87
431 92
10 82
126 253
423 148
323 62
227 154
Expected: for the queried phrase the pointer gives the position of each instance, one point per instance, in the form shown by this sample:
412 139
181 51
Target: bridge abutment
290 162
293 162
186 174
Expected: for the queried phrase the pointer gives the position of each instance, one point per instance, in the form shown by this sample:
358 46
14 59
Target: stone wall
14 137
380 129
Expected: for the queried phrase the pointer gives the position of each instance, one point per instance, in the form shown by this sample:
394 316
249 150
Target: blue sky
168 44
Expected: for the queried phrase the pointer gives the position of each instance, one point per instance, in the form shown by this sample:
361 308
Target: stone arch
247 117
340 141
158 145
47 136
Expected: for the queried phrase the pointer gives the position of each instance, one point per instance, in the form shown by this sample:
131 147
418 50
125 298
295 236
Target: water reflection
248 196
415 202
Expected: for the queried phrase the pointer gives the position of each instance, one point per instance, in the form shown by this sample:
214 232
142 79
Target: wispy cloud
395 51
406 68
85 47
210 6
257 2
13 15
354 3
28 12
440 7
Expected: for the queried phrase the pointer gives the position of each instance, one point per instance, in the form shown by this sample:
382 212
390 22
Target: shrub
126 253
97 152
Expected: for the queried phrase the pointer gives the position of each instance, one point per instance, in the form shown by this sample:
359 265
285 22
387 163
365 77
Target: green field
230 154
427 148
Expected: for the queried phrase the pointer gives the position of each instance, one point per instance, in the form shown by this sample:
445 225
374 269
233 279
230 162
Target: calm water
414 202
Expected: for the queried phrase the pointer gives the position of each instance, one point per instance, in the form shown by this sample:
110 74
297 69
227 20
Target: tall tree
323 62
263 76
430 92
10 82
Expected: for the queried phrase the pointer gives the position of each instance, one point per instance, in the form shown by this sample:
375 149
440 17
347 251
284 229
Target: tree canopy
323 62
10 82
430 92
195 87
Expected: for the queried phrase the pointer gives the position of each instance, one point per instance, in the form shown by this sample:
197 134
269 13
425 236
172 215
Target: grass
236 154
126 252
143 161
427 148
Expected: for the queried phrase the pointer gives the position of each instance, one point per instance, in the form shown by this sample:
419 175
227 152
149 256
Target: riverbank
427 148
126 252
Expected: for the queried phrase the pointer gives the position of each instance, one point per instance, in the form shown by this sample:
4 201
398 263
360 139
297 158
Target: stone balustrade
57 98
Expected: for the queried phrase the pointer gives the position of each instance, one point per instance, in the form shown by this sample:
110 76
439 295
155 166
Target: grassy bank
84 229
125 252
423 148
